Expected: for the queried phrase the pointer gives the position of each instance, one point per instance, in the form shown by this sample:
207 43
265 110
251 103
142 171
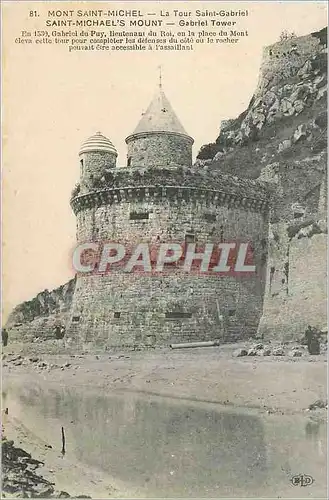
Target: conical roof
97 142
159 117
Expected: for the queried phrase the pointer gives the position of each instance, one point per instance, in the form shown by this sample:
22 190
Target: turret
97 156
159 140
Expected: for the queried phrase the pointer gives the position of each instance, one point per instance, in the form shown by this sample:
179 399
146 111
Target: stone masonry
159 197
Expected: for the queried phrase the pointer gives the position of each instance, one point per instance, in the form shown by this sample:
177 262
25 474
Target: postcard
164 242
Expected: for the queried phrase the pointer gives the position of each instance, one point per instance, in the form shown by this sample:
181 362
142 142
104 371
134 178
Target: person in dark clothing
4 337
312 340
59 332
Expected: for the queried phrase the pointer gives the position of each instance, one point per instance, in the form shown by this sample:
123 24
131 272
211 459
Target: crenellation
147 192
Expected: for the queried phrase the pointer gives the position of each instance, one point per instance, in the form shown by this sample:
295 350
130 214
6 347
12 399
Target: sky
53 101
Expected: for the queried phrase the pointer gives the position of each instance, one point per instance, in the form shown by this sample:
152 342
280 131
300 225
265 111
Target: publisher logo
302 480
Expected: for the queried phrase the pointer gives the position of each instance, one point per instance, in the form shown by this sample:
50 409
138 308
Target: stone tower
160 197
97 155
159 140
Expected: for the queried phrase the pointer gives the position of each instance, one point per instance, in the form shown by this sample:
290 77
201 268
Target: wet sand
278 386
208 374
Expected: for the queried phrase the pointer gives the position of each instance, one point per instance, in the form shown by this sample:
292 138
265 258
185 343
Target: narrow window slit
178 315
139 215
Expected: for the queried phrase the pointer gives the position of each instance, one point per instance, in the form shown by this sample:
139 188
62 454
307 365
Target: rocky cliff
282 138
287 108
38 317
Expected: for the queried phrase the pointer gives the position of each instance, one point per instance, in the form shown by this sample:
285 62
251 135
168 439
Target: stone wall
286 57
41 328
130 309
161 149
296 289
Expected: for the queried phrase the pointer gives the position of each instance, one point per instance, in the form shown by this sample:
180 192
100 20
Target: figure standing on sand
4 337
312 340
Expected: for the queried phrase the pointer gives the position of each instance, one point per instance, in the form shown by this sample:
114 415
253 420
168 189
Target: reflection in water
312 429
171 448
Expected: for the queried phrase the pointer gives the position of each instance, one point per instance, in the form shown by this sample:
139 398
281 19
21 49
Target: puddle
173 448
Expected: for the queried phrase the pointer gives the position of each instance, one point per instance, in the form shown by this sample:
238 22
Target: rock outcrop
20 478
39 316
293 81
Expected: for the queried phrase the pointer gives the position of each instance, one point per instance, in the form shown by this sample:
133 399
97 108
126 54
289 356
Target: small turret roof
97 142
159 117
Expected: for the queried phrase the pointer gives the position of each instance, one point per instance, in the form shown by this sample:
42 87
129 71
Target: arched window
129 161
81 166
